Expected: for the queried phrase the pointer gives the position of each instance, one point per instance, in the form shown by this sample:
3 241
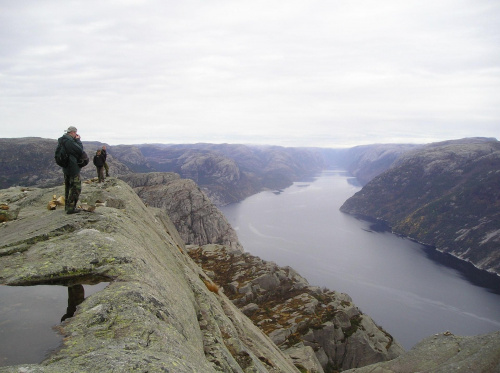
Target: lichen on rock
156 314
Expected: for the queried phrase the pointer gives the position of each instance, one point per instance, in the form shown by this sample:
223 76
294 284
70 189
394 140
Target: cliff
156 314
446 195
291 312
196 218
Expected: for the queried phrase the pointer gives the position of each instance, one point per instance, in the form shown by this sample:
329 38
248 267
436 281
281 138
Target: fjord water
402 285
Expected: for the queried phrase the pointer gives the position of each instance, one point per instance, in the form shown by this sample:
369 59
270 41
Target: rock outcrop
293 313
159 313
445 353
197 219
446 195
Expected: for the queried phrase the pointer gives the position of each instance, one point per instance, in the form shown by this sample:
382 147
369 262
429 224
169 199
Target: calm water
29 315
408 292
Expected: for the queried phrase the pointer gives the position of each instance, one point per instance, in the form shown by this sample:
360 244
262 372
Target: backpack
61 157
84 160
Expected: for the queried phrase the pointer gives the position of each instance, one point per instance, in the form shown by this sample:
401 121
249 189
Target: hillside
226 173
29 161
365 162
444 194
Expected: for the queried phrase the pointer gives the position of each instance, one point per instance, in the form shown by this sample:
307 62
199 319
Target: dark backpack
84 160
61 156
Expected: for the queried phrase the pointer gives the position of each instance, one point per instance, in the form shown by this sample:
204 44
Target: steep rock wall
157 313
197 219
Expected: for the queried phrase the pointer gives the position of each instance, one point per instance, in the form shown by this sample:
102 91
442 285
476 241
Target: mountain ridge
445 195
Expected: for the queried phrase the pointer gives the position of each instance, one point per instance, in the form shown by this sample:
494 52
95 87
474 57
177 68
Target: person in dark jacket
99 160
72 182
106 167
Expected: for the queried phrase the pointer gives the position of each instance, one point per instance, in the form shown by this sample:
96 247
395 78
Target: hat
71 129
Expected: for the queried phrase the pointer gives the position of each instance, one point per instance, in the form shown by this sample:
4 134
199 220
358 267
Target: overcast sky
293 73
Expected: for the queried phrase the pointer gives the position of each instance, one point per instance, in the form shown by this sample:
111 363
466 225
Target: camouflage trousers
72 190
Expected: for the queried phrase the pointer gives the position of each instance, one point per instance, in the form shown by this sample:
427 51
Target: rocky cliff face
197 219
160 312
293 313
445 353
446 195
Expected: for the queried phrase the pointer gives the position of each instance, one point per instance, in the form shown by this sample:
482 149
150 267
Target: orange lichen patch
214 288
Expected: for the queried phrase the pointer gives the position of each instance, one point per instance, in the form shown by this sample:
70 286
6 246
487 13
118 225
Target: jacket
74 148
99 160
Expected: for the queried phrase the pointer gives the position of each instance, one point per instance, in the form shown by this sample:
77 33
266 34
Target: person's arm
75 147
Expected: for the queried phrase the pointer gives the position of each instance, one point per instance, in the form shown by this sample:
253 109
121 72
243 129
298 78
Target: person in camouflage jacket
72 182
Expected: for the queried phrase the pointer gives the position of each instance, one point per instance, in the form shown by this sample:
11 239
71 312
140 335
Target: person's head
72 131
104 147
98 152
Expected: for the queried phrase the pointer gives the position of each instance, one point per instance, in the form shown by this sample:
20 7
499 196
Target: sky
334 73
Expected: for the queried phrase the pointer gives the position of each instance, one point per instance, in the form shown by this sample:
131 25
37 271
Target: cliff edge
156 314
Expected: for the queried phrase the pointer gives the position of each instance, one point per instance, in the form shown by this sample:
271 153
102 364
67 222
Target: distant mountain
231 172
443 194
226 173
368 161
29 161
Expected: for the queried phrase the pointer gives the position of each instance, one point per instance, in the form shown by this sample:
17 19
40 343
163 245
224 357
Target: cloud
329 73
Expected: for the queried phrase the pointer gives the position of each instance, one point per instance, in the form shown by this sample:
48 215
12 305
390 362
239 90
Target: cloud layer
322 73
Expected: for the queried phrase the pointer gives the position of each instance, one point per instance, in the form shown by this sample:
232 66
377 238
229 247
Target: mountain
226 173
231 172
444 194
368 161
30 161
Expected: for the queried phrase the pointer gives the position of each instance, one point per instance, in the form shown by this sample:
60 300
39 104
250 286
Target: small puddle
28 315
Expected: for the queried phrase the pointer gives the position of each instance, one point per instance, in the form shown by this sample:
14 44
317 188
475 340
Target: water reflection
28 315
76 295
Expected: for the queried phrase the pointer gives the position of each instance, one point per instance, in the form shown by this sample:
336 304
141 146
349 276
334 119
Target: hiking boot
73 211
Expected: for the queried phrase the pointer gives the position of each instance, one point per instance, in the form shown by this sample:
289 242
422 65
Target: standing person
106 167
72 182
99 160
